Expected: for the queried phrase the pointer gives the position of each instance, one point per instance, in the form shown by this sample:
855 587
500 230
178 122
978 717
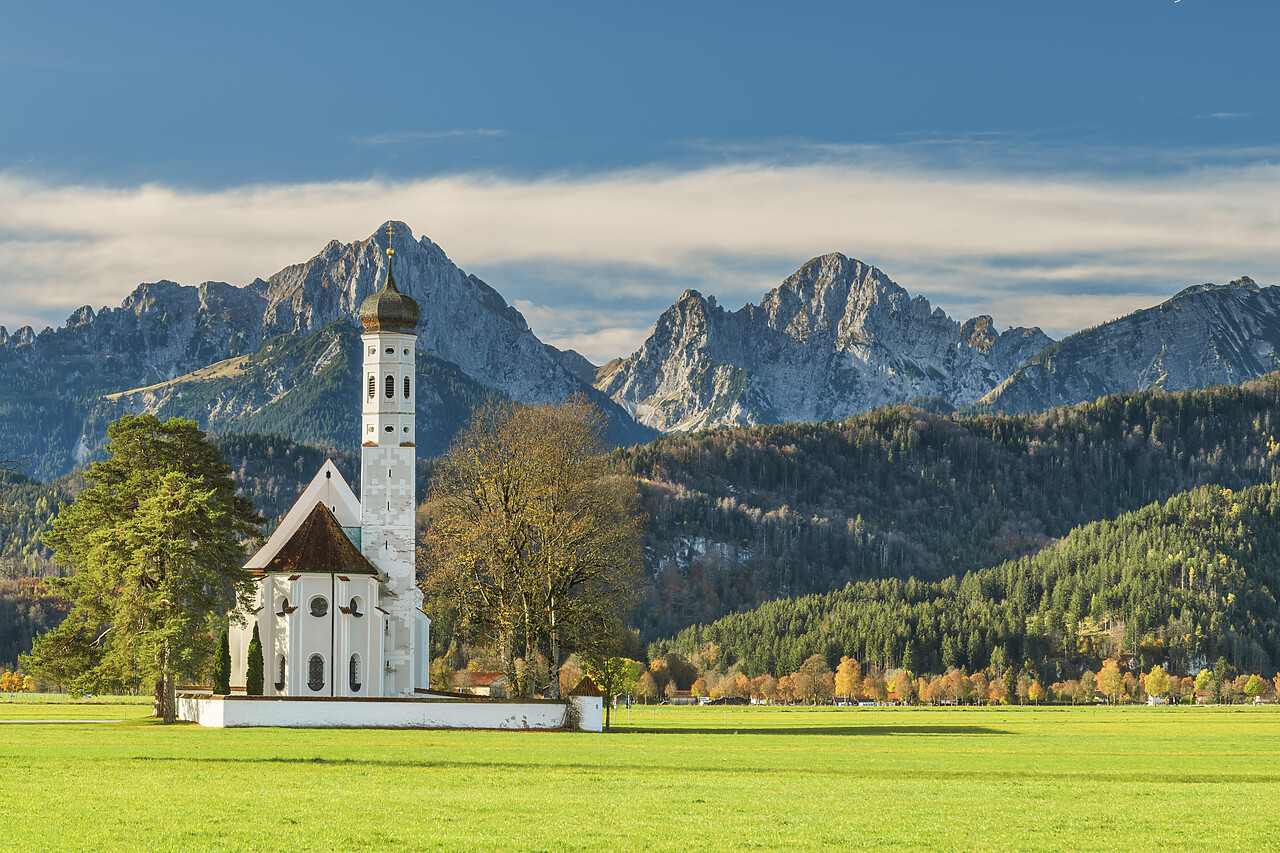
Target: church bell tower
388 478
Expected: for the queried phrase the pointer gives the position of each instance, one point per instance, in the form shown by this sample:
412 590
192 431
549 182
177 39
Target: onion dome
389 310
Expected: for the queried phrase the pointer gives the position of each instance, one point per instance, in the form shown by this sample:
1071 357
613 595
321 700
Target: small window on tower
283 605
390 428
391 350
373 350
391 387
373 386
406 387
353 673
406 429
357 606
406 350
319 606
280 675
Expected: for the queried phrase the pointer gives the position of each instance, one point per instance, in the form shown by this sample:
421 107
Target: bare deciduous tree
530 537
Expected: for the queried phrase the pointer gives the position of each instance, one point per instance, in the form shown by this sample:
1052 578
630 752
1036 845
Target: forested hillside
1179 583
742 516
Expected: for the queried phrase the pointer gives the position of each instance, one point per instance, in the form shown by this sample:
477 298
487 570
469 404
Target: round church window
319 606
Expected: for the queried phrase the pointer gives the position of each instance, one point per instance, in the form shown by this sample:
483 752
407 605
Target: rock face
166 331
836 338
1206 335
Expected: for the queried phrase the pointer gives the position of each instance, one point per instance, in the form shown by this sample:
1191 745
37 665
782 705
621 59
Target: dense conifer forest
1178 583
742 516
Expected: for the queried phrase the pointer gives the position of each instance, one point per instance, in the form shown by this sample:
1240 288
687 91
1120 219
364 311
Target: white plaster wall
424 713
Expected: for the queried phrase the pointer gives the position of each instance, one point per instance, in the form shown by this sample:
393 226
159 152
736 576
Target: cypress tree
254 676
222 665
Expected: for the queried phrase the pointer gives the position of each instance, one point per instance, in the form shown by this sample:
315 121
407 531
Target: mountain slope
836 338
1206 335
740 516
1178 583
50 384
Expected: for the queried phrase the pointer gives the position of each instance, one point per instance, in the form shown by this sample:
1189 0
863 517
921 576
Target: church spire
389 310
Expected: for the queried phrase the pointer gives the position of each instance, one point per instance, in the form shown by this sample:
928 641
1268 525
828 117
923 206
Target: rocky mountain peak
836 337
1207 334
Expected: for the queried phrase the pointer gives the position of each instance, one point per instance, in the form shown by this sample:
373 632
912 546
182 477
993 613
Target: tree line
739 516
1177 583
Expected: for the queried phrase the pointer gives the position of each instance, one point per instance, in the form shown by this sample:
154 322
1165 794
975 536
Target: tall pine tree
157 548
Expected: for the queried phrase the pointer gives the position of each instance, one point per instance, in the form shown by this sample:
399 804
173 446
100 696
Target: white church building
345 642
337 606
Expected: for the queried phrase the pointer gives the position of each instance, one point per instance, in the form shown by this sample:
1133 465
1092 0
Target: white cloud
624 244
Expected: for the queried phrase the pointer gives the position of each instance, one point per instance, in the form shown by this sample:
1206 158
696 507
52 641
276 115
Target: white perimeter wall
235 712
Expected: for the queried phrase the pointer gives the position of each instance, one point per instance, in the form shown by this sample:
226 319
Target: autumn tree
1110 680
157 549
905 688
1156 682
647 687
1036 692
700 688
531 539
848 677
980 686
786 690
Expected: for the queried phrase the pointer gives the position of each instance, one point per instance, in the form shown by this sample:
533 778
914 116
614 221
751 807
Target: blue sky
1049 163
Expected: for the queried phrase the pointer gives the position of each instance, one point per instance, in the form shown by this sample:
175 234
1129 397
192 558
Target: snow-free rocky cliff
165 331
836 338
1206 335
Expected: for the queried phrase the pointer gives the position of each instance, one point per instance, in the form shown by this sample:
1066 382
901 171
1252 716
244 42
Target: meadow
1055 778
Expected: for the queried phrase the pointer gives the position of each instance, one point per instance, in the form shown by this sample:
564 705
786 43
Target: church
337 606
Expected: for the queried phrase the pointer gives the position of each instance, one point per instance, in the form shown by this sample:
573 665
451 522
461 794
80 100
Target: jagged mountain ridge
54 385
1206 335
164 330
835 338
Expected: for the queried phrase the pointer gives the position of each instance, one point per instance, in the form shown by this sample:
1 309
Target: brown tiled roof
485 679
587 687
319 545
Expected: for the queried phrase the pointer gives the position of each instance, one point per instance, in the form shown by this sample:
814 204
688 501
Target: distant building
491 684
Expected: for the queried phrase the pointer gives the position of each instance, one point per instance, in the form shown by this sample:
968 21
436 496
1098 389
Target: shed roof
320 546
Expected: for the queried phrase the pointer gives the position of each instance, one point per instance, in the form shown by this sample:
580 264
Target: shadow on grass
845 731
908 774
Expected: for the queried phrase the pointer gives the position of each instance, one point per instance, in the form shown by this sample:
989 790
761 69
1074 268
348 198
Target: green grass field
683 778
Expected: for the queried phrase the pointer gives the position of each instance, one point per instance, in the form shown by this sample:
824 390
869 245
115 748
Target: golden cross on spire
391 232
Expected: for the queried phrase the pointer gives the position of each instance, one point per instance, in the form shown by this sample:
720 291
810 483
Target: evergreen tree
157 548
255 674
222 664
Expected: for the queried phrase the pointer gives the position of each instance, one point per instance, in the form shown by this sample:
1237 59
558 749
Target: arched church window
319 606
373 386
315 672
391 387
406 387
356 605
353 673
280 675
284 606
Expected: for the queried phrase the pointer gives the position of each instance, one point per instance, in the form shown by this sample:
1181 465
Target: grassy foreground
685 778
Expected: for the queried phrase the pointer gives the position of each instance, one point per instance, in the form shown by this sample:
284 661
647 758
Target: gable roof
320 545
326 487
